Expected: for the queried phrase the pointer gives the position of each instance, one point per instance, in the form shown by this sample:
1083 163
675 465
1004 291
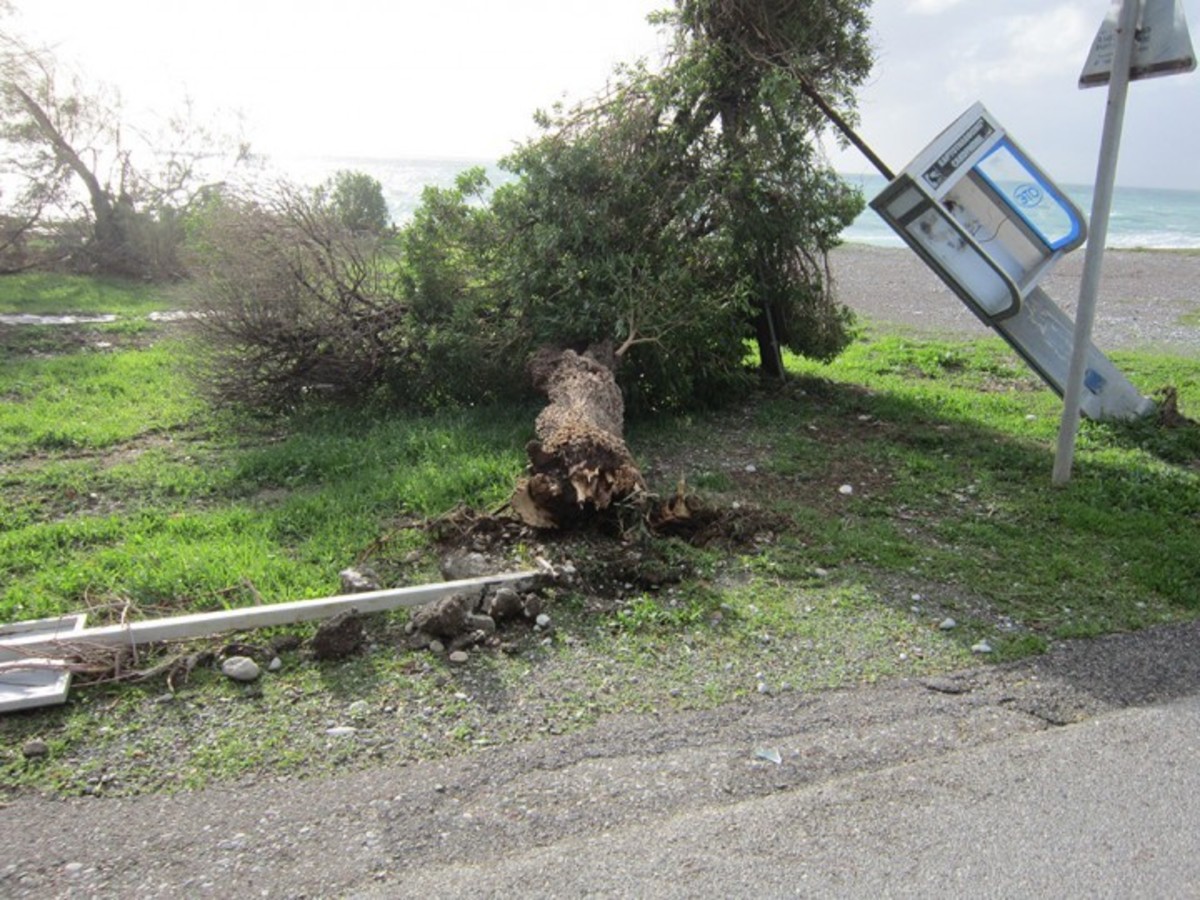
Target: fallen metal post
203 624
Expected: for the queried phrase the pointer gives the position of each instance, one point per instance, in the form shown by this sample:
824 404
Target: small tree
690 208
67 151
356 200
665 225
464 325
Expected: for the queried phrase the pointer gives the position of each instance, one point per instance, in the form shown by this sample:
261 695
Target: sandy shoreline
1148 299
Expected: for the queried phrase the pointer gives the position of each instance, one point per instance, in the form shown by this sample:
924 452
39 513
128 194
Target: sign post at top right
1161 45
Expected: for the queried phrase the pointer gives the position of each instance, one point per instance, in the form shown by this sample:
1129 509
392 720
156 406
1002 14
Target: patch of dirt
615 553
62 340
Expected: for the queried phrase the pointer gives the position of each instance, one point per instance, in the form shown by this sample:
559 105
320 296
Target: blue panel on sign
1093 381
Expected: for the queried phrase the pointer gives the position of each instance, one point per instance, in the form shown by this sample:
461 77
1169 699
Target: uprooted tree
645 238
687 210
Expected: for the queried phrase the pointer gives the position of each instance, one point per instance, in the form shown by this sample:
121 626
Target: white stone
240 668
846 490
341 731
543 620
948 624
981 647
275 664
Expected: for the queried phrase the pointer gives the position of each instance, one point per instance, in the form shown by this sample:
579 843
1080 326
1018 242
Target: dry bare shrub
291 304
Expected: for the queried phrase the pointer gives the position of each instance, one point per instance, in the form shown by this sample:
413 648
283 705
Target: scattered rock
459 656
275 664
339 637
35 749
357 581
341 731
240 668
948 624
947 685
459 565
467 639
981 647
448 617
483 623
437 647
846 490
543 620
505 603
359 709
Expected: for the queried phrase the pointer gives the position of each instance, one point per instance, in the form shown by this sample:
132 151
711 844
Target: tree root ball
579 463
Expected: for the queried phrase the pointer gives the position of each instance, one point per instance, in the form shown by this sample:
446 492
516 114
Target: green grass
121 484
123 494
45 293
92 401
187 524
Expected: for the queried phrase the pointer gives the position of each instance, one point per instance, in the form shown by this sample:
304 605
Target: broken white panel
28 688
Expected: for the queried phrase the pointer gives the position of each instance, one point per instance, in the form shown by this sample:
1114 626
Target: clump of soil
609 554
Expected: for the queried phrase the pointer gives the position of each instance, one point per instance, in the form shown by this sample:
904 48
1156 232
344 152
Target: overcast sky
461 78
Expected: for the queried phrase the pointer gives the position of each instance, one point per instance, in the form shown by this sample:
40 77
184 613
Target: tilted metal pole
1106 172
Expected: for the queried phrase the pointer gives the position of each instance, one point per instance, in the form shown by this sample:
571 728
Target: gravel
377 832
1148 299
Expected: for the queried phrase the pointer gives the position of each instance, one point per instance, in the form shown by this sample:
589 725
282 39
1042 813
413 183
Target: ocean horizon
1142 218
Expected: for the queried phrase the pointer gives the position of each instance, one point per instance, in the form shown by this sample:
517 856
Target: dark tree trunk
579 464
108 234
766 333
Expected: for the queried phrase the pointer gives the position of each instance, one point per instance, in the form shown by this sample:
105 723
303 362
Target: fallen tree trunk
579 464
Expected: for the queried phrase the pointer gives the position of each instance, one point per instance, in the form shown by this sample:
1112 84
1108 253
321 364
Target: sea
1150 218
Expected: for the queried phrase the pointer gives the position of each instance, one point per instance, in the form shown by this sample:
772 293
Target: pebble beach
1149 299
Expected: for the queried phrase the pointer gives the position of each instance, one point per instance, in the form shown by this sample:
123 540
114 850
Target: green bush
356 201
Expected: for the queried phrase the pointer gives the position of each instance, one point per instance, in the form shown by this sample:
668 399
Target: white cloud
1023 50
930 7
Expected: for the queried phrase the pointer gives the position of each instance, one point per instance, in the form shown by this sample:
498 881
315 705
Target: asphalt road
1074 774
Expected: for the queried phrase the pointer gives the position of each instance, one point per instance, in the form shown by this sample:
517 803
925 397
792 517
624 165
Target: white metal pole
1106 172
202 624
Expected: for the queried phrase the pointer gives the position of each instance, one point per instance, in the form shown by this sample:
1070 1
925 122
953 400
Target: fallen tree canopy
579 464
